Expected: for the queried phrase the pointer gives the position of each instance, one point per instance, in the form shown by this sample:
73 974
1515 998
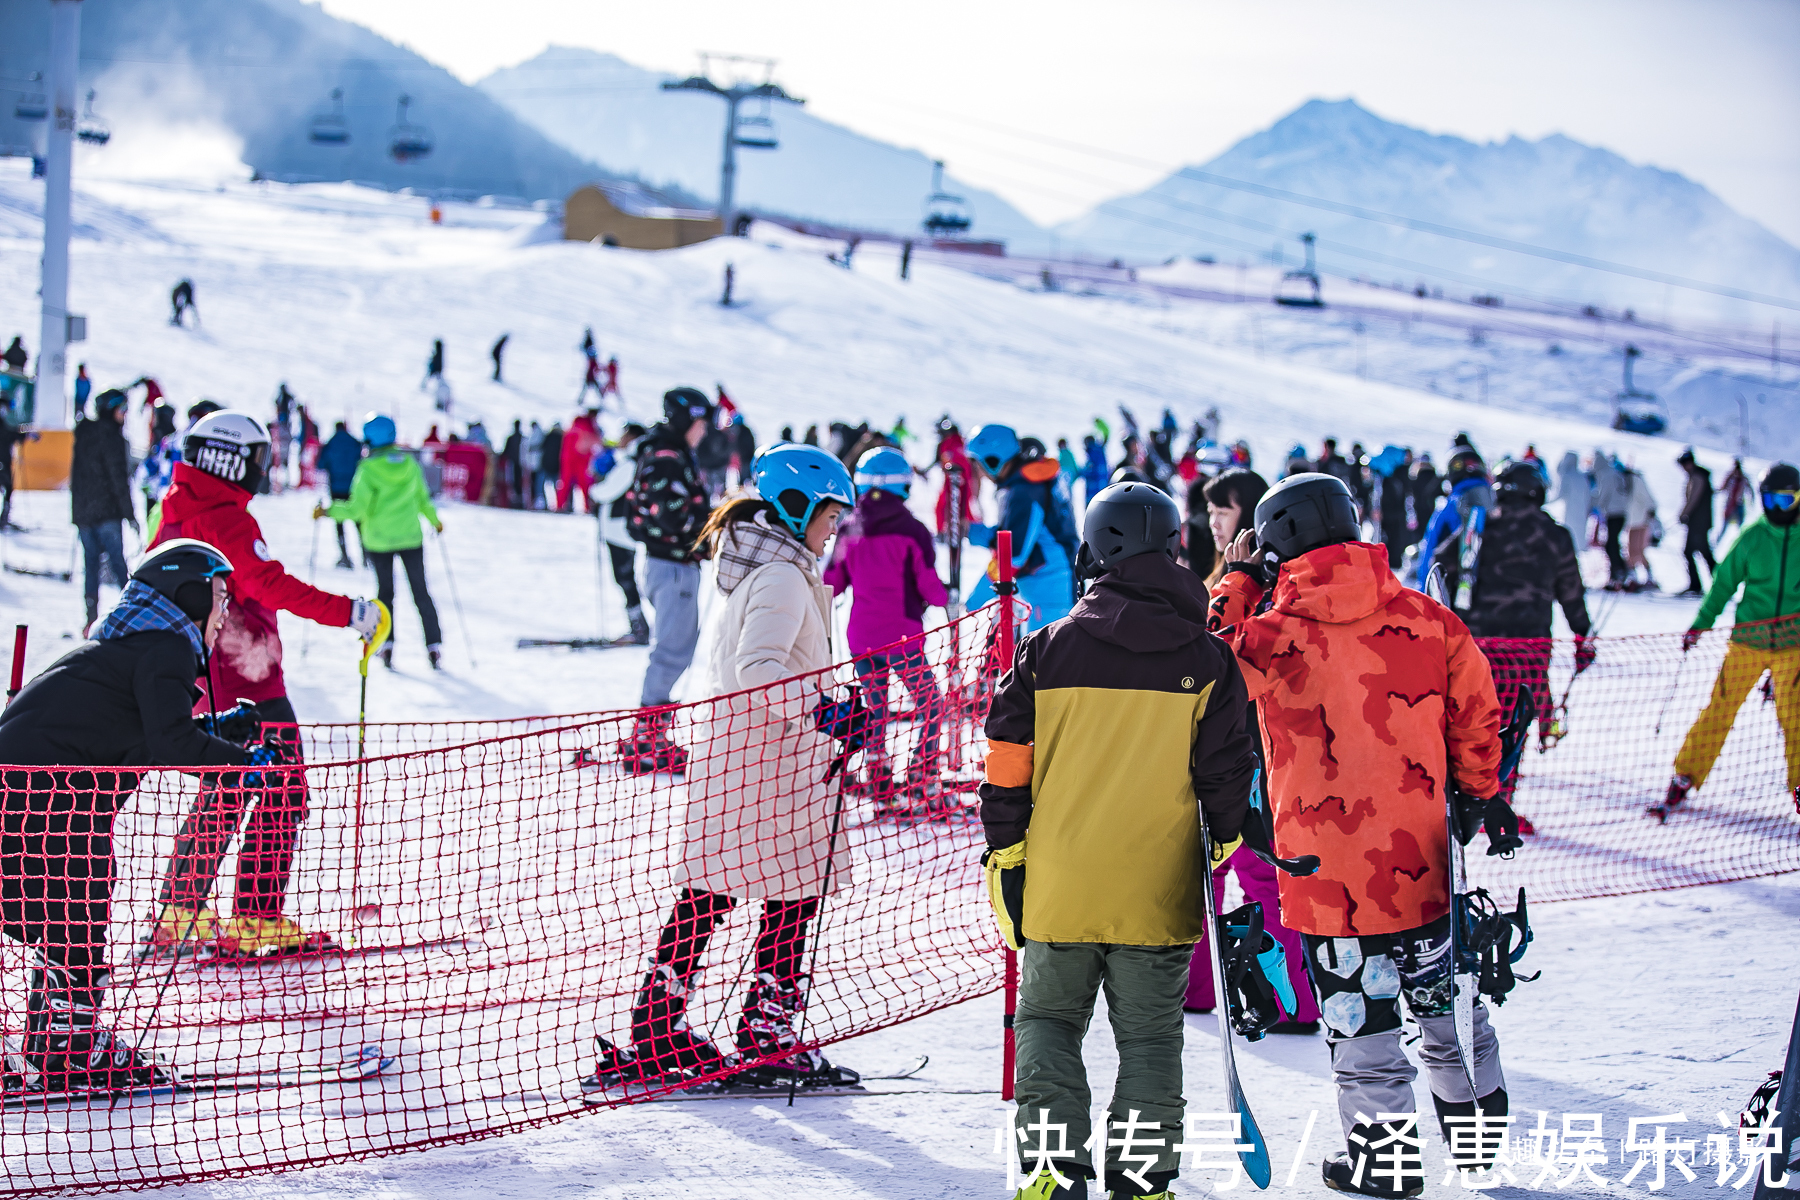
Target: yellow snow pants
1742 669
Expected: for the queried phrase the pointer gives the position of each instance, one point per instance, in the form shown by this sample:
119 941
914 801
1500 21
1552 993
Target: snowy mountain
607 110
258 71
1555 193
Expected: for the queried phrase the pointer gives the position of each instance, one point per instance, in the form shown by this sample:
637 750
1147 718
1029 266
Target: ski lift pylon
408 142
1300 289
330 128
32 106
945 214
91 129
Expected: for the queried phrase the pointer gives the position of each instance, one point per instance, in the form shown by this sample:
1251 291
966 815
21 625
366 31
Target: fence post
1004 589
18 664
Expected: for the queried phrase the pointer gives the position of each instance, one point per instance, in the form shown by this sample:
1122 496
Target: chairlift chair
92 129
408 142
1637 411
945 214
330 129
1300 288
756 133
32 106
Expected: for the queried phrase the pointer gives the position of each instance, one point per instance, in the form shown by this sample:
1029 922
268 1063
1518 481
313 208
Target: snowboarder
1765 636
223 458
884 556
434 367
613 470
387 498
767 777
1374 701
496 351
1040 517
100 497
124 699
1696 520
1117 729
340 457
665 509
181 302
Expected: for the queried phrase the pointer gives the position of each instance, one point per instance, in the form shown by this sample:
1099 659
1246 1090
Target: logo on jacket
1187 681
262 549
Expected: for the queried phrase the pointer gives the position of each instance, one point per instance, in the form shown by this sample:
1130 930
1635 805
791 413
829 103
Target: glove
1689 639
1006 891
605 461
1255 835
1261 571
980 535
1473 812
269 753
1584 654
365 618
320 512
844 720
1224 850
240 723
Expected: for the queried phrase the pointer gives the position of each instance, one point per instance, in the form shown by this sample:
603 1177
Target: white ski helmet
232 446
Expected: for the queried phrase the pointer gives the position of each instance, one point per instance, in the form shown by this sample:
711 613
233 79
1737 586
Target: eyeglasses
1780 500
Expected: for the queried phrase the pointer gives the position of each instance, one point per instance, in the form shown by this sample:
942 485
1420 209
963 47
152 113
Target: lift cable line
760 135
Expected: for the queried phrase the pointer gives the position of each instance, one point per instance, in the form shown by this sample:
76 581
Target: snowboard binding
1485 943
1256 977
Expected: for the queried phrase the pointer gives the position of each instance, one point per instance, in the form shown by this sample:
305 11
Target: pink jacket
885 554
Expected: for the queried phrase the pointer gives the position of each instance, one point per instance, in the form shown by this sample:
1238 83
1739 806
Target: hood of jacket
1337 584
886 513
747 545
1145 604
193 491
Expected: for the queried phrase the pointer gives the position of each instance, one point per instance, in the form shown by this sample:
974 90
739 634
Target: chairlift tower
59 153
733 95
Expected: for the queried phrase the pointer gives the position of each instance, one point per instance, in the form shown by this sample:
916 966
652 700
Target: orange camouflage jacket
1367 693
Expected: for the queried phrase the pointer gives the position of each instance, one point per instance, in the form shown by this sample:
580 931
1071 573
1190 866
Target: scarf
750 544
141 609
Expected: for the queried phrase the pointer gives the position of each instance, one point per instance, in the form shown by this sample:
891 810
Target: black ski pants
1697 543
266 852
1615 557
780 937
624 569
414 561
56 865
343 547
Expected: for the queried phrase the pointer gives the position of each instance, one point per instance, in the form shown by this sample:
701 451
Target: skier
1115 732
1696 520
767 779
577 448
549 465
84 387
340 458
281 440
533 464
665 509
1066 465
613 470
496 351
1427 487
1765 636
1093 470
100 496
15 356
434 368
1612 496
885 557
387 498
1640 512
1039 515
1735 486
223 458
122 700
1575 490
611 386
591 373
181 302
952 455
1373 700
1454 519
10 435
512 464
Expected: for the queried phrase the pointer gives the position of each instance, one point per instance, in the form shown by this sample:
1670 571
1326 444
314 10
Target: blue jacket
1095 472
339 457
1446 522
1036 508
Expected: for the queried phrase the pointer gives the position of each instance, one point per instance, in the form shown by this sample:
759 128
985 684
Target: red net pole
1004 588
18 663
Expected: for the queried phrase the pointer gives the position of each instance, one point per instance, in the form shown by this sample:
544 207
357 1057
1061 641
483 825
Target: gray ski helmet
1519 483
1126 520
1304 512
182 570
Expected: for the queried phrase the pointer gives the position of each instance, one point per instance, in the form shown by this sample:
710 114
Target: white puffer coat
759 810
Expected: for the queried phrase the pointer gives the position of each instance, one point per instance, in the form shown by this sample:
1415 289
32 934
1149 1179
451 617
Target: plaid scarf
143 608
750 544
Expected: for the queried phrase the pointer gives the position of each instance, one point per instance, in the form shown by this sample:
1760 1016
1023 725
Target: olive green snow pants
1145 986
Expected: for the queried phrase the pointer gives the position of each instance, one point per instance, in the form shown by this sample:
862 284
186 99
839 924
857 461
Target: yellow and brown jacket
1115 727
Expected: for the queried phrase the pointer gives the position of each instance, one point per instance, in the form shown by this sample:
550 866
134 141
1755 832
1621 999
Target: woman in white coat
760 822
613 469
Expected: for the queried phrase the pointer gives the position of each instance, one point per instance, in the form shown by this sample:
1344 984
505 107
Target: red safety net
503 889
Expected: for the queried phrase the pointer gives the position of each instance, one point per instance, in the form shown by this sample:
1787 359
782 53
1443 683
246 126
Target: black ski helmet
1519 483
1304 512
109 402
1782 479
182 570
1465 464
683 406
1124 521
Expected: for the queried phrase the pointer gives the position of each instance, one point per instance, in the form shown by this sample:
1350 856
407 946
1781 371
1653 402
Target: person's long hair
1238 486
742 508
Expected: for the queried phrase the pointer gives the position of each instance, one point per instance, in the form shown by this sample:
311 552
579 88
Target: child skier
885 556
1374 700
1115 730
1036 508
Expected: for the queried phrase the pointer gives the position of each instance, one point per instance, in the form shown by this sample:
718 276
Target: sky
1017 96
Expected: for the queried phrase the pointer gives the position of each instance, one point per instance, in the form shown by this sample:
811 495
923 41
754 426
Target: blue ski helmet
993 446
378 431
886 468
796 478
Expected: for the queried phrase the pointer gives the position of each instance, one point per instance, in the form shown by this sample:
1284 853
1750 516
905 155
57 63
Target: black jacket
1527 563
100 474
123 702
666 504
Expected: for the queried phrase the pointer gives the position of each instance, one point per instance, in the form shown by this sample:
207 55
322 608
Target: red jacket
578 447
247 663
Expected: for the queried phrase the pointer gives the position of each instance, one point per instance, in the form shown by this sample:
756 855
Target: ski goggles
1779 501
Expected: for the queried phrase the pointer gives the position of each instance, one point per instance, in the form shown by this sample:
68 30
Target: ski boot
435 652
1478 1145
649 748
662 1043
270 937
67 1048
877 783
1045 1187
1679 787
766 1031
617 1067
181 932
1121 1187
1362 1172
640 628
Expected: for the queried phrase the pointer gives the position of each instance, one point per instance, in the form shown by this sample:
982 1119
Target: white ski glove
365 618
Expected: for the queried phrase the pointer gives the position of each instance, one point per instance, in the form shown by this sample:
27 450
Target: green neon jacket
1765 559
387 498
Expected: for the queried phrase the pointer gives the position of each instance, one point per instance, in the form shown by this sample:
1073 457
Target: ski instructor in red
224 458
1373 700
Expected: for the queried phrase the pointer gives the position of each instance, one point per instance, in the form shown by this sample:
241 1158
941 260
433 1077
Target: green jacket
1765 559
387 498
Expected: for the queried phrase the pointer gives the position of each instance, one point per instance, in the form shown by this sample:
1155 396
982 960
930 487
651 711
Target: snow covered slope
1556 193
605 109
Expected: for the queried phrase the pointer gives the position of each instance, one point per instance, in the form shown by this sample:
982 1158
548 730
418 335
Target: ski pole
1004 587
18 663
455 599
384 625
812 958
1674 684
312 575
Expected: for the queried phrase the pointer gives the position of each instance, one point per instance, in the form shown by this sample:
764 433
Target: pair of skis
365 1063
738 1087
